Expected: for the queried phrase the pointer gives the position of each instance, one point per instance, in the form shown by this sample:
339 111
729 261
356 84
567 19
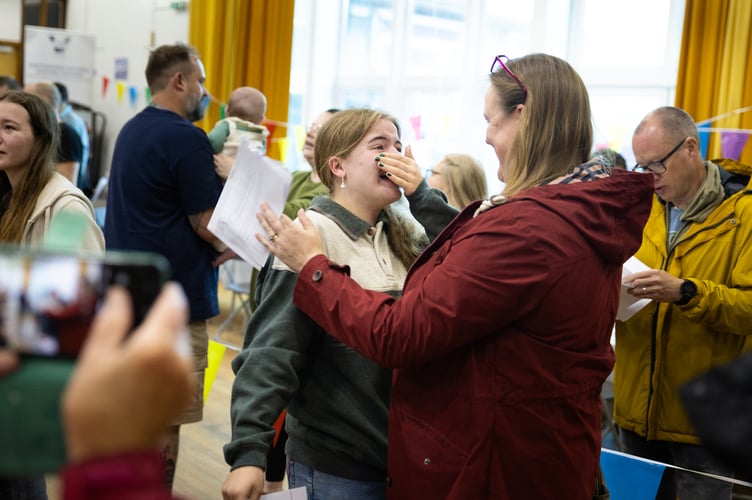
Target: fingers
111 323
304 220
264 240
402 170
8 361
167 317
228 254
270 222
267 218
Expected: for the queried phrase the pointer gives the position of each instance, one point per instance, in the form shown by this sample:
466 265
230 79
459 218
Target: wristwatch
688 290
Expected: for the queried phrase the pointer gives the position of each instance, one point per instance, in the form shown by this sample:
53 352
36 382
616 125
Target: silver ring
644 289
273 237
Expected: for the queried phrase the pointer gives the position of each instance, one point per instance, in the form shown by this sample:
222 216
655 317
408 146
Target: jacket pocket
424 458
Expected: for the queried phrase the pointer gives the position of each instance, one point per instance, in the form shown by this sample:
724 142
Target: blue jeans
679 484
322 486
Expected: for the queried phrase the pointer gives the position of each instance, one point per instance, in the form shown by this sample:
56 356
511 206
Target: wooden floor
201 465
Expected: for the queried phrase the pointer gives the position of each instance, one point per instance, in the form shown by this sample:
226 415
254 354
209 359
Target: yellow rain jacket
665 345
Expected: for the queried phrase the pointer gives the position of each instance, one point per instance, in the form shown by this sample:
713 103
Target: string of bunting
733 140
630 477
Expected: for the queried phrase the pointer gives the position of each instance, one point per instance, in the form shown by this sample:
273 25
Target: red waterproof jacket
500 341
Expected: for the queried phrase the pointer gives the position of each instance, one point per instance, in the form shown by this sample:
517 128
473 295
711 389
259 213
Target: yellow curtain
715 68
245 43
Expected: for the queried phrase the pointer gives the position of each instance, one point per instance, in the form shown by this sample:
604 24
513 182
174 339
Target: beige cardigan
59 195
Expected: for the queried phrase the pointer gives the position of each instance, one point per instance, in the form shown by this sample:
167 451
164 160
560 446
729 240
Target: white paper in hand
629 304
253 179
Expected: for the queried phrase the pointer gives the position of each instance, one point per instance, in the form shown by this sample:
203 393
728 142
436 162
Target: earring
342 184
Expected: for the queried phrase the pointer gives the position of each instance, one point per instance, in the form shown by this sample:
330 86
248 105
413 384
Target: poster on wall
57 55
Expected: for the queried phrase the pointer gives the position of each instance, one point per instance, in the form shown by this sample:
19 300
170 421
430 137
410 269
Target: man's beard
198 110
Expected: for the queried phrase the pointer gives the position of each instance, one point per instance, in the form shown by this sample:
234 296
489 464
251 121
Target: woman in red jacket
500 341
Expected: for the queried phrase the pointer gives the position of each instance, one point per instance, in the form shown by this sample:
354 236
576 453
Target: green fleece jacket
337 400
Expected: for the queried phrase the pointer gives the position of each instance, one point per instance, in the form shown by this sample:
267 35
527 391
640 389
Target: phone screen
48 300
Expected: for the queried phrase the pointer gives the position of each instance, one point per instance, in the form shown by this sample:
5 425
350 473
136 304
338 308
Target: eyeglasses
658 167
313 127
500 61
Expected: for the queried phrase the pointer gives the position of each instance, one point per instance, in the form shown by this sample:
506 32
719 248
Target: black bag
719 404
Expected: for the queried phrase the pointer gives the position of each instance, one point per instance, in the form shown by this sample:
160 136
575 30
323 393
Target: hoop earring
342 184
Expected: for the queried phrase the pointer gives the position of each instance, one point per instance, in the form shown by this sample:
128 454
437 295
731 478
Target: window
427 61
49 13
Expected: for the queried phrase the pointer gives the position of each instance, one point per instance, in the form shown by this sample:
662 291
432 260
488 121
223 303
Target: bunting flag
630 478
147 95
704 141
299 132
222 111
133 95
271 127
214 359
120 92
105 84
415 121
446 121
282 143
732 144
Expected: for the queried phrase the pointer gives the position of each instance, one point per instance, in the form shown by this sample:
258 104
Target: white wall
10 21
124 30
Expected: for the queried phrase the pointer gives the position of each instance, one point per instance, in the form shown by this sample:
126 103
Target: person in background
245 112
697 244
77 123
162 193
461 177
497 375
9 83
610 158
336 399
70 155
32 196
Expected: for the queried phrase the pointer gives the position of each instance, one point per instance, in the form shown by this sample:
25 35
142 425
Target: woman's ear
336 167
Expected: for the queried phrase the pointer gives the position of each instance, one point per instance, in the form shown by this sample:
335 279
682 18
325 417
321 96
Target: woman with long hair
501 338
32 194
336 399
461 177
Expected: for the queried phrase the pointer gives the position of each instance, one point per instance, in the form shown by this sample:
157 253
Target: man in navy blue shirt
162 192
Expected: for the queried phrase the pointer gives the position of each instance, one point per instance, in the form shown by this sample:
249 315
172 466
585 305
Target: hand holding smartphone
47 303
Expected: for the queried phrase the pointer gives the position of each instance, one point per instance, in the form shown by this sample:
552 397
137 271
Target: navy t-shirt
162 172
71 148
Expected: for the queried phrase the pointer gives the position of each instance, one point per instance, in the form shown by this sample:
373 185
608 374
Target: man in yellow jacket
698 244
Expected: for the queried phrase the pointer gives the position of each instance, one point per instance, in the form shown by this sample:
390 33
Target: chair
97 124
610 435
235 276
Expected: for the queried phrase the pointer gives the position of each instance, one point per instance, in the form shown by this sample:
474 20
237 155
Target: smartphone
47 303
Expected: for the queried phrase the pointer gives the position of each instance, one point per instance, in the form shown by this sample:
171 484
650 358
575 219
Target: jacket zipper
654 332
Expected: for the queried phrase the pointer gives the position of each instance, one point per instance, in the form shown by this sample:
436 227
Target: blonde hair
16 206
465 179
555 129
338 137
